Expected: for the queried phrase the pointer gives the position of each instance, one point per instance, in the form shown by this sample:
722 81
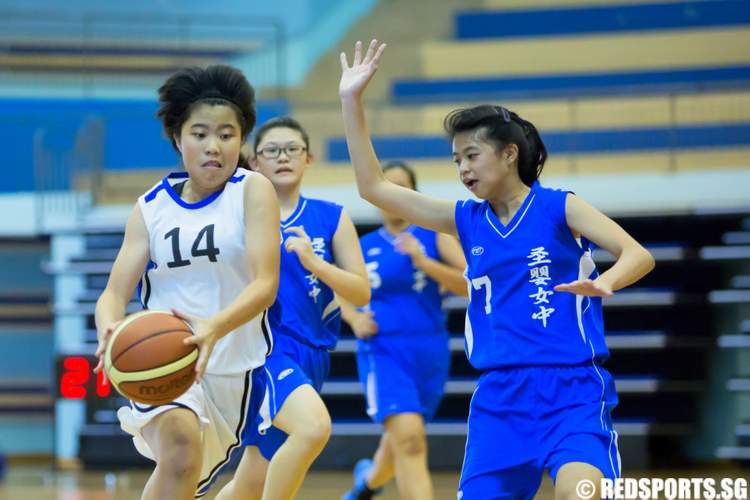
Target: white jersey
199 265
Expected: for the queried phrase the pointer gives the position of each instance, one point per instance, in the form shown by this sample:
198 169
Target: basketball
146 360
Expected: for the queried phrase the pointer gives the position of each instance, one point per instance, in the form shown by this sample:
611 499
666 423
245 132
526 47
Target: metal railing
67 172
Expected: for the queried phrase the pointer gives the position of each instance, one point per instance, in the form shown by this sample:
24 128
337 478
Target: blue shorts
527 420
403 373
290 365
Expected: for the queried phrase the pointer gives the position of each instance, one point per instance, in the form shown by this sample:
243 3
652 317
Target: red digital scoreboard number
78 381
102 385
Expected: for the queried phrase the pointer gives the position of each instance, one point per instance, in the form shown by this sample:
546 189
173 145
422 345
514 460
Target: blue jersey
305 307
404 299
514 317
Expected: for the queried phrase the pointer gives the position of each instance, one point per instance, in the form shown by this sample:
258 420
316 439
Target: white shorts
227 406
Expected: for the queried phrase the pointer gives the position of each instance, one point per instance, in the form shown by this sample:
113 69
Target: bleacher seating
120 42
624 86
587 19
26 401
664 89
735 343
660 334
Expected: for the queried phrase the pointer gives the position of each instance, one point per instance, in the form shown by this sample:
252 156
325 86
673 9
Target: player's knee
319 431
314 431
180 454
410 443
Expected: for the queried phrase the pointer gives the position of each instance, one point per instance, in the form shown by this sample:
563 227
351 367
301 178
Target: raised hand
587 287
354 78
204 336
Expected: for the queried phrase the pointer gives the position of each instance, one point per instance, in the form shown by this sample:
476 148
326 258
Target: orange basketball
146 360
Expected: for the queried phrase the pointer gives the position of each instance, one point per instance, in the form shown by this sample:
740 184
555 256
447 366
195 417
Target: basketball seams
135 332
144 339
127 321
118 377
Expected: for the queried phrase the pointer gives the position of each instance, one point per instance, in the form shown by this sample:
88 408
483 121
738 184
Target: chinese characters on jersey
319 249
539 277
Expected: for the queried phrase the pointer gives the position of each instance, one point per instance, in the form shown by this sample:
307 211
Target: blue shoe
360 480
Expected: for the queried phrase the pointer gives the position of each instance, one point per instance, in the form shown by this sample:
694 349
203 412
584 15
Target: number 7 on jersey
484 281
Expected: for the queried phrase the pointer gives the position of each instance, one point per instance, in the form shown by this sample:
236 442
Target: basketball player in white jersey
208 239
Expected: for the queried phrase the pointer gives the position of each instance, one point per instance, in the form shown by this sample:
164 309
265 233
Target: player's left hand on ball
103 341
204 337
587 287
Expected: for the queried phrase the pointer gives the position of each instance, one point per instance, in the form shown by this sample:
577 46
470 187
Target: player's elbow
649 262
366 296
460 289
640 258
109 297
361 294
372 191
269 288
366 192
361 299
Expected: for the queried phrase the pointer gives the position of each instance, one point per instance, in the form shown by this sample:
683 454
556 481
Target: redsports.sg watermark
702 488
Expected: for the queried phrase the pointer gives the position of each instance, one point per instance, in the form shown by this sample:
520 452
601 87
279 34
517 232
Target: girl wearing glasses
534 321
320 258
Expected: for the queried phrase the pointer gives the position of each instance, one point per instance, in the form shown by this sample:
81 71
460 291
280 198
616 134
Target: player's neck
395 227
192 193
288 200
506 203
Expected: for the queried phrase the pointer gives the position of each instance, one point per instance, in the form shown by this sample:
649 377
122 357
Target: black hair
214 85
281 122
405 167
502 127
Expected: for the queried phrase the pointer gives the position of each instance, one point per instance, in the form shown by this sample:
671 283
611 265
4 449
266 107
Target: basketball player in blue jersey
534 320
403 359
208 239
320 259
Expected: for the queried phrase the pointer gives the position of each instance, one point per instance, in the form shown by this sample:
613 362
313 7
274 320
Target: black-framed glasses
273 152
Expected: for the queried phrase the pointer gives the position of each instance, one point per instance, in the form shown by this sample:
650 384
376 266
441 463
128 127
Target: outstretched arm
425 211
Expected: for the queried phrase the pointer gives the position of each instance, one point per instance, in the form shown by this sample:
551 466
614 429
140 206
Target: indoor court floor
41 482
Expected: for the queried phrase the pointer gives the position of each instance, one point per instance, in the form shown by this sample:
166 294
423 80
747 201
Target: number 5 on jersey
484 281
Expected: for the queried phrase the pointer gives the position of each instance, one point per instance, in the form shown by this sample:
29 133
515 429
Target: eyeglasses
273 152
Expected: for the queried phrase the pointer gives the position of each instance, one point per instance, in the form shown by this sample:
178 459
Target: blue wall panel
596 19
579 142
133 135
571 85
